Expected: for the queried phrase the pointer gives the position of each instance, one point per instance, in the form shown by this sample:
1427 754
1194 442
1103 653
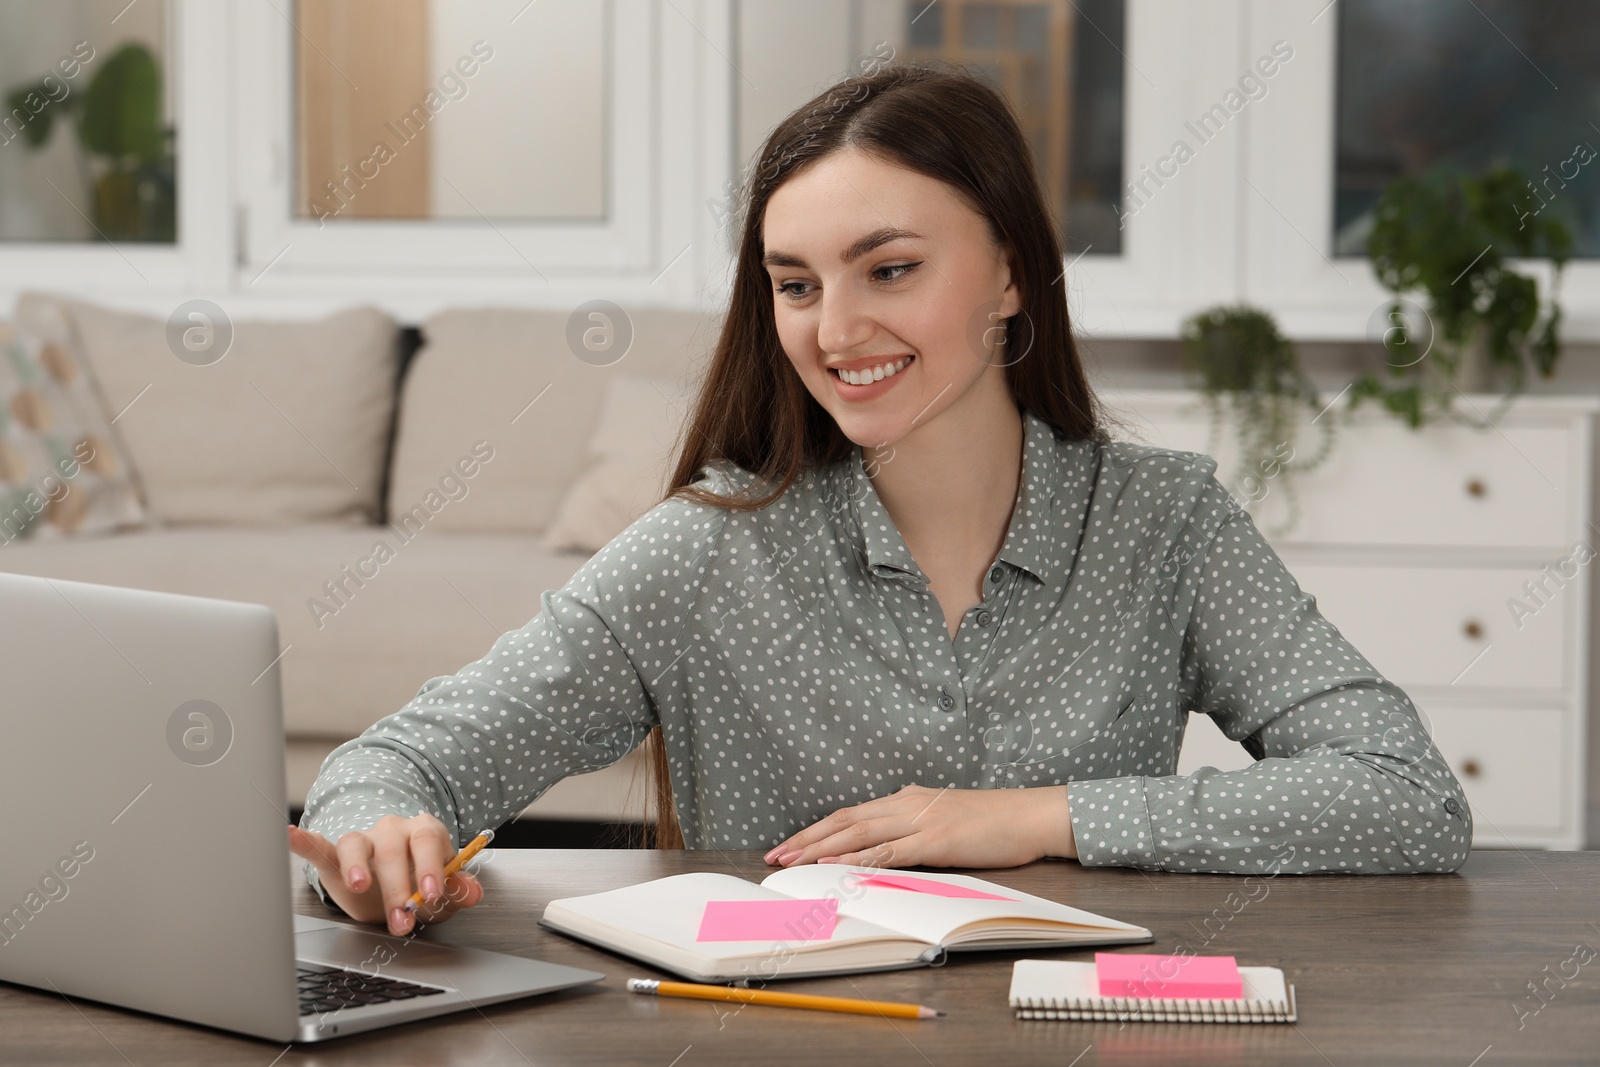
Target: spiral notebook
1067 989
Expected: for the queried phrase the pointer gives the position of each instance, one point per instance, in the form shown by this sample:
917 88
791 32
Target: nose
843 323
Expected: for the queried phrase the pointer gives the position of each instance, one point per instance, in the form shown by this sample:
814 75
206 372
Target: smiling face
879 269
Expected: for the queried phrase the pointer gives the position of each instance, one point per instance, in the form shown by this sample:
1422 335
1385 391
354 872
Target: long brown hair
752 409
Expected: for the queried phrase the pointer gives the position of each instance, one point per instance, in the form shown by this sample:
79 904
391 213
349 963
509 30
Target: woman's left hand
919 826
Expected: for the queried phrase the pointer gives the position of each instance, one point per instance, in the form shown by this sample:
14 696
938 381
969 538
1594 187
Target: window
428 109
88 142
1059 63
1471 84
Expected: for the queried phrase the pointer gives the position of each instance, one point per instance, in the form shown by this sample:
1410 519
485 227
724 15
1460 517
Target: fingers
371 874
391 861
429 854
461 890
830 836
901 852
852 839
355 861
789 852
315 849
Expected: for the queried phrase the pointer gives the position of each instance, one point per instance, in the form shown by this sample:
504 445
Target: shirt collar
1029 539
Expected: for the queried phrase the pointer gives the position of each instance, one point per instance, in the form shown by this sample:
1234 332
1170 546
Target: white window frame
1180 251
504 260
1233 224
197 65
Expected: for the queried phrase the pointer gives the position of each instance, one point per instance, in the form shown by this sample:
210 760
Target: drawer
1452 625
1512 763
1386 484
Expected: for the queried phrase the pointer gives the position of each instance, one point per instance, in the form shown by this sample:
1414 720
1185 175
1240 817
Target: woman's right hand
372 873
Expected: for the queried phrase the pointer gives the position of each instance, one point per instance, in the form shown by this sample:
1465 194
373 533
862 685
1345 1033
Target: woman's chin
869 431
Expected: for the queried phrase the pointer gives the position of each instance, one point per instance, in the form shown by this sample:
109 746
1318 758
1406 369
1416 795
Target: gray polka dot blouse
798 663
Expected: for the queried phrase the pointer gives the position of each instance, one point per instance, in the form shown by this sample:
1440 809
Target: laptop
146 862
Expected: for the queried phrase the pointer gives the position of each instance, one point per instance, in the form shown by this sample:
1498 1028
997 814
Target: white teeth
878 373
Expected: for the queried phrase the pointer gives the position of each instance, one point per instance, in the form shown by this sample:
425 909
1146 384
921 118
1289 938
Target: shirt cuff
1111 823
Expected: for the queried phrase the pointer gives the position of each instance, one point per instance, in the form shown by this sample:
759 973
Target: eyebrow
856 250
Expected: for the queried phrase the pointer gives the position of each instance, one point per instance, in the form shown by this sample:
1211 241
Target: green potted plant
1240 357
1447 236
132 178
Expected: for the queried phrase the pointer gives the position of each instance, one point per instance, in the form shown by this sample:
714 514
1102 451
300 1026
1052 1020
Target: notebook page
668 911
925 916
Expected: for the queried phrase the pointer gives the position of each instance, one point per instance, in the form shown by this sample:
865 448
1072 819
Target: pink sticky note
769 920
1127 974
928 885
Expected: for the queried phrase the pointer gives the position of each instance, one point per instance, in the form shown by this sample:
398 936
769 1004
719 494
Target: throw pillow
290 425
630 451
61 469
510 377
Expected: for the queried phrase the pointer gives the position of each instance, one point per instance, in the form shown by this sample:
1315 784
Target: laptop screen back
144 841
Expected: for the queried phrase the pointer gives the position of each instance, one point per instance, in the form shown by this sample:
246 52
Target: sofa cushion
631 452
509 377
436 604
291 425
62 470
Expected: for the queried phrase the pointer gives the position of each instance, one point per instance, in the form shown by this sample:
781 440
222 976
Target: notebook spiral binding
1137 1009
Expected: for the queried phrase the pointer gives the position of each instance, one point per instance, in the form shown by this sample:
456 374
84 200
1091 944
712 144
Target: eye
899 271
906 268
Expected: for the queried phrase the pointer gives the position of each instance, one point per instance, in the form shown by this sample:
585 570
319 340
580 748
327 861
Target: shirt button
946 701
1451 806
996 574
984 618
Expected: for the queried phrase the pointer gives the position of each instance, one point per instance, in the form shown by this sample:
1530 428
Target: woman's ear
1011 297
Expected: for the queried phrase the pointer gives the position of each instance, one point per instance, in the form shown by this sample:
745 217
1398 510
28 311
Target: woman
906 603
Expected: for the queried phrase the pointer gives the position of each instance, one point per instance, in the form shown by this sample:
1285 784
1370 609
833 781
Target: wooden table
1388 970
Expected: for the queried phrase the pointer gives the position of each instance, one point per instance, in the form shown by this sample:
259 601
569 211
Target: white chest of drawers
1461 562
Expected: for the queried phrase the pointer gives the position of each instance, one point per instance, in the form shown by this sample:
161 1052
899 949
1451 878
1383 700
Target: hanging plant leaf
1450 234
1239 355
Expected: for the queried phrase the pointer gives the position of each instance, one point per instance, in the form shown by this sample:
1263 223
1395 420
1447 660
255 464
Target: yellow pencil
463 857
781 1000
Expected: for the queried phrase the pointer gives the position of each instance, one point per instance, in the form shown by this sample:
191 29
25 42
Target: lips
865 372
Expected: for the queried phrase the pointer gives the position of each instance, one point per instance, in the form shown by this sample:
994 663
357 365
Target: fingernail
430 888
789 857
356 878
769 856
829 859
398 919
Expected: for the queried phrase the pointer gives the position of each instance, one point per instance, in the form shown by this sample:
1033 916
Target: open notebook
821 919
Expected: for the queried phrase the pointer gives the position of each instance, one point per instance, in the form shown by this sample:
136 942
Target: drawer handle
1475 487
1470 768
1472 628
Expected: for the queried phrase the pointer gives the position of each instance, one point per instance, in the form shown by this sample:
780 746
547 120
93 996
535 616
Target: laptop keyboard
324 989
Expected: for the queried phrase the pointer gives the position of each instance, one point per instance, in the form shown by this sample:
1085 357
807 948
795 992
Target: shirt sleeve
559 696
1345 778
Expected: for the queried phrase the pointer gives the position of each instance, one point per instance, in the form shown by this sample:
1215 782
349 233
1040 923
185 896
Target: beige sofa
395 525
